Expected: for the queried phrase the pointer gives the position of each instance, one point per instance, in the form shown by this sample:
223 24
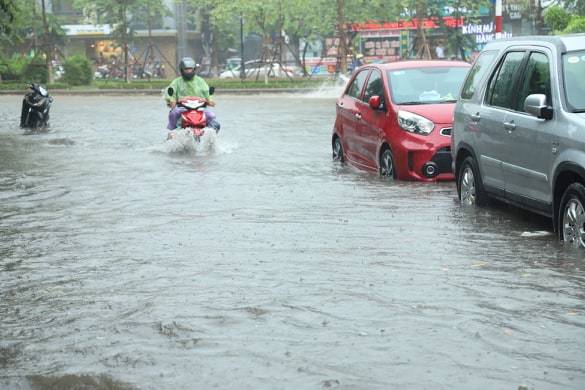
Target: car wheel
387 165
572 216
337 150
469 185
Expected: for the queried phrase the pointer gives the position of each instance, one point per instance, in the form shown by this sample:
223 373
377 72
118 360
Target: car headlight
414 123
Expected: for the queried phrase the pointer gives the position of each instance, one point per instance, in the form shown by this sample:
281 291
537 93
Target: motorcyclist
189 84
35 108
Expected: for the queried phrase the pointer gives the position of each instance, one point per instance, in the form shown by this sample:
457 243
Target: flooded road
261 264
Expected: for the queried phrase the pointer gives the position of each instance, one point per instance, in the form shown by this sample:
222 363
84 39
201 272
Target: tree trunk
304 59
341 33
124 18
424 51
215 51
126 64
48 46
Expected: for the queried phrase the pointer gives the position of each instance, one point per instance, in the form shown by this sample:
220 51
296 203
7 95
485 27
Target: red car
396 119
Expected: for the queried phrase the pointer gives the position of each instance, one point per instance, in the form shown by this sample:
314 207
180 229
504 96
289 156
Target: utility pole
498 21
48 45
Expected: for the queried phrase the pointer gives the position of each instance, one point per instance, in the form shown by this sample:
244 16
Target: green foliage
575 7
77 70
562 22
158 85
149 12
12 68
313 19
576 25
7 12
122 13
556 18
35 71
18 86
26 21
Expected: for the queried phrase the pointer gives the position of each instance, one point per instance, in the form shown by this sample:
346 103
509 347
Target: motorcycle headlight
414 123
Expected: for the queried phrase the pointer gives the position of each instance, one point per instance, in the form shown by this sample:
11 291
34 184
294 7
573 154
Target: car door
531 140
373 120
350 117
492 139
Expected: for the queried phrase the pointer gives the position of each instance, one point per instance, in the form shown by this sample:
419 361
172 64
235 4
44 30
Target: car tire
469 185
338 150
572 216
387 167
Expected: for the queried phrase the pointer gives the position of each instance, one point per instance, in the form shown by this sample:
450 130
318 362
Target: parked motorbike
35 108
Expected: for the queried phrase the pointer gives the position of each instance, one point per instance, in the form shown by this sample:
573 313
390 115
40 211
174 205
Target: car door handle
358 116
510 126
475 117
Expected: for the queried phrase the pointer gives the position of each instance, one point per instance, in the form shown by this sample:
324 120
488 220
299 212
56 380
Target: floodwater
261 264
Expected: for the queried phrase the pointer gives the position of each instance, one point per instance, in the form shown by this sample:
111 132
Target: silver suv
519 130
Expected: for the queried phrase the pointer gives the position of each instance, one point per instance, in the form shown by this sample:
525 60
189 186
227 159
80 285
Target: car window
375 87
476 74
427 84
536 80
574 74
501 89
357 84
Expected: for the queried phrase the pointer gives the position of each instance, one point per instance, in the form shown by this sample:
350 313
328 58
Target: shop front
151 54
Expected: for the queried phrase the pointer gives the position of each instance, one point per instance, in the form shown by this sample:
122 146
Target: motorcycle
35 108
195 120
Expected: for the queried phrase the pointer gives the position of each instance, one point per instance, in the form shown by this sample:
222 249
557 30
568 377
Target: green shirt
194 87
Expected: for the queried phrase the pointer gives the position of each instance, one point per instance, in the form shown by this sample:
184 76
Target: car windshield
429 85
574 74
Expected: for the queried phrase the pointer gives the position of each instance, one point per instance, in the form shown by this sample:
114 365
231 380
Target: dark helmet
187 63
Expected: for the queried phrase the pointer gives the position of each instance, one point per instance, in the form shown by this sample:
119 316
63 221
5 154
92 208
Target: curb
93 92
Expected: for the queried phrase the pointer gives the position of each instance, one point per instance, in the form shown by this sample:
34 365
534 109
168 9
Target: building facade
154 51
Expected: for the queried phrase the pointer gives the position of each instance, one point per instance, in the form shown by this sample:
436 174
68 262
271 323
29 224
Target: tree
436 10
7 12
121 13
561 22
575 6
556 18
314 19
26 25
307 19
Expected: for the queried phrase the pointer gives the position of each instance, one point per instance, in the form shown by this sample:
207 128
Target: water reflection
263 264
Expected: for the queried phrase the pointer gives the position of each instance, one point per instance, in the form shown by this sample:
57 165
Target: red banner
449 21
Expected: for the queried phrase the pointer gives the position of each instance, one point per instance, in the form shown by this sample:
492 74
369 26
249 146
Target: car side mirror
211 90
170 91
536 106
375 102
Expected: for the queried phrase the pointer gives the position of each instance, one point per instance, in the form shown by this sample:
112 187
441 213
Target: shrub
576 25
13 68
77 70
556 18
35 71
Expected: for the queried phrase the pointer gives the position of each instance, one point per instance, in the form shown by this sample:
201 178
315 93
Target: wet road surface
261 264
